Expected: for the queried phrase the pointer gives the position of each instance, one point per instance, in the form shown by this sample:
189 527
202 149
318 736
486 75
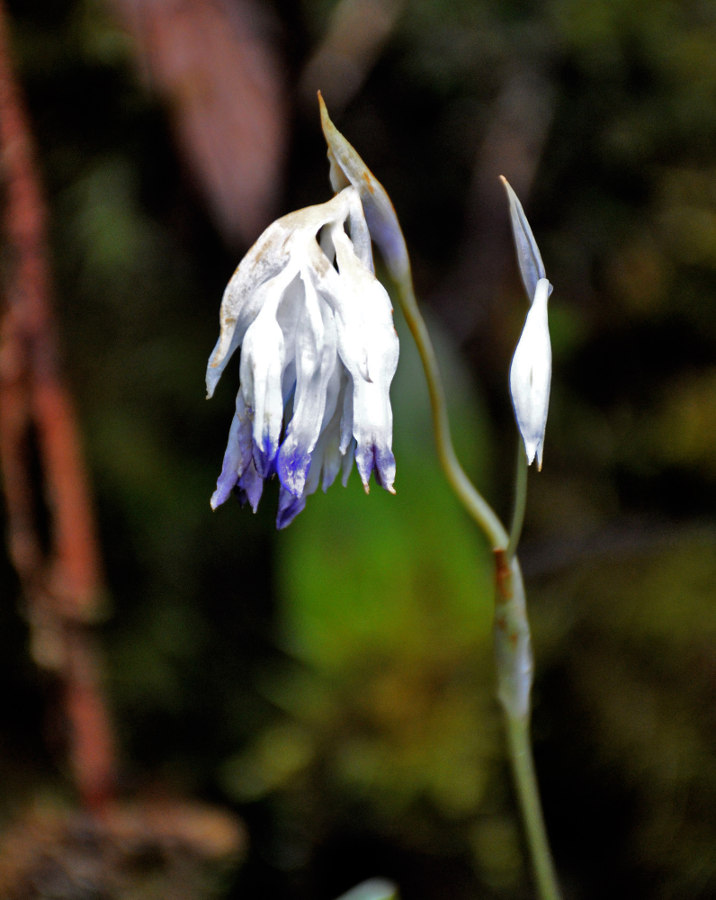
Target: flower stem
518 513
523 771
513 652
475 504
513 656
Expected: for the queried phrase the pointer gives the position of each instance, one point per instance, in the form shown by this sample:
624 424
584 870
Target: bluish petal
237 456
225 484
292 466
288 508
379 460
373 432
528 255
264 456
251 486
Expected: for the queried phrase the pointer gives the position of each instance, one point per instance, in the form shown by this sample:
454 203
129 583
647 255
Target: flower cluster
318 354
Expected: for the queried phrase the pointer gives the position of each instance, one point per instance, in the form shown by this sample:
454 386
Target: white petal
530 374
373 432
315 357
262 362
327 455
368 346
347 417
245 295
364 316
273 259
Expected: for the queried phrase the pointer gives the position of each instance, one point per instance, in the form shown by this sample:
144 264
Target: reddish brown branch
60 581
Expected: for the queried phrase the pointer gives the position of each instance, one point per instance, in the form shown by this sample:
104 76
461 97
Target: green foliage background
333 683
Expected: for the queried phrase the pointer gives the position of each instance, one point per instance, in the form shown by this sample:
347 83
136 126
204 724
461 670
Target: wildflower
531 370
318 354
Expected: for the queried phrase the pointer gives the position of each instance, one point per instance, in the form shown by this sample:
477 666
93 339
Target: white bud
531 373
531 370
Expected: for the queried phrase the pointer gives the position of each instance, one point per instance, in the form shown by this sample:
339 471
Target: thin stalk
512 636
475 504
518 513
523 771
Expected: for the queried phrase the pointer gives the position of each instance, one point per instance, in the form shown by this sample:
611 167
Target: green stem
512 636
523 770
471 499
518 513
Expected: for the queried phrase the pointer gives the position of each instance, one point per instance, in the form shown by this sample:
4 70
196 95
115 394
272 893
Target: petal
269 264
371 312
315 355
358 229
368 347
237 456
251 486
289 507
347 420
373 432
530 374
361 306
347 464
262 363
327 455
325 459
347 167
243 299
528 255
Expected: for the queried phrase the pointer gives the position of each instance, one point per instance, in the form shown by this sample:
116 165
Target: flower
318 354
531 370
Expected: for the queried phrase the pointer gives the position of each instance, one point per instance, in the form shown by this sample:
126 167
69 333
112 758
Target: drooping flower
531 370
318 355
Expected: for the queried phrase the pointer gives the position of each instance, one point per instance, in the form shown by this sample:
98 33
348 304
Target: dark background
332 684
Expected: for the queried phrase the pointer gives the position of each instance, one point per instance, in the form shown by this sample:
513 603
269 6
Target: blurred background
330 688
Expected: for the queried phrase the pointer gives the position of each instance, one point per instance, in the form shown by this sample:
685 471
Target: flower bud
531 370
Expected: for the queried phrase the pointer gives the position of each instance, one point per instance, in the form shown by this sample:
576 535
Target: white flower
318 354
531 370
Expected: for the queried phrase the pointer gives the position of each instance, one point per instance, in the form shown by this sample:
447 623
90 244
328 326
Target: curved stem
512 635
472 500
